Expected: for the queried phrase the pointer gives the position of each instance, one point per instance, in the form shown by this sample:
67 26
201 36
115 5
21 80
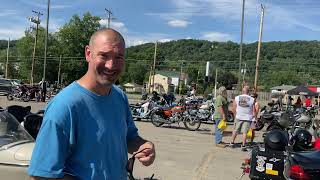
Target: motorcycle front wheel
10 97
156 120
192 123
25 98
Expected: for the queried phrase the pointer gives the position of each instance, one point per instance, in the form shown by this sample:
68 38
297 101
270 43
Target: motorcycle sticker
270 171
274 160
260 163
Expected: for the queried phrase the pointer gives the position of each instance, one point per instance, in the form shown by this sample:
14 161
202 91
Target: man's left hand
147 156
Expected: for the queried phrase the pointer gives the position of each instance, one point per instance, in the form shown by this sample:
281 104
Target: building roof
283 87
169 73
132 85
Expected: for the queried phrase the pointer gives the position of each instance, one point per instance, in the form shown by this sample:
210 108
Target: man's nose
111 63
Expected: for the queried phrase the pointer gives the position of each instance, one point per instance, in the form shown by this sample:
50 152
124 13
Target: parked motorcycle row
190 111
26 93
288 150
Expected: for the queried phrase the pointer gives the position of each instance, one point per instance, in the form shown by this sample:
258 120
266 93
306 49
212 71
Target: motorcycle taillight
297 172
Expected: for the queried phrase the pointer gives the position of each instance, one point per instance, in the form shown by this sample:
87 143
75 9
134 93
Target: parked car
5 86
16 146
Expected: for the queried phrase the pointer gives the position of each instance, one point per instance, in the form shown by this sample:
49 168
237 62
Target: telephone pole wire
259 47
35 20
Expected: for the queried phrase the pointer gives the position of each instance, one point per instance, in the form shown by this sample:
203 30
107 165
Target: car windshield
11 132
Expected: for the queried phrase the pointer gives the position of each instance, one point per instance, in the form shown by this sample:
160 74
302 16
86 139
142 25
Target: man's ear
87 53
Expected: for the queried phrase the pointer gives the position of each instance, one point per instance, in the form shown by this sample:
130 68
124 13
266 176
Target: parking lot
181 154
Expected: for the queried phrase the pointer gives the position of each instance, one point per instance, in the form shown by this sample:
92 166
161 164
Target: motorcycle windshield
11 132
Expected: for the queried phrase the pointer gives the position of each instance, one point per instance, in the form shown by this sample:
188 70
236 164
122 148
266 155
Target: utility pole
46 43
7 63
241 41
154 63
215 83
244 72
259 46
35 20
59 71
180 79
109 17
150 74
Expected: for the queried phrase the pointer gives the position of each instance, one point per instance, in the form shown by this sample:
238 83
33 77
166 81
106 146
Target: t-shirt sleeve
132 132
51 148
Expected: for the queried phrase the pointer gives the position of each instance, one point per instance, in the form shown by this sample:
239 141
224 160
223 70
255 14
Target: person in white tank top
243 108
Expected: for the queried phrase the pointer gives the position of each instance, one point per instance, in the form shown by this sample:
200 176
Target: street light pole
46 42
241 41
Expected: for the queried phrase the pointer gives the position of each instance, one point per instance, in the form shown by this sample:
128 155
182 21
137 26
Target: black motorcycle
278 158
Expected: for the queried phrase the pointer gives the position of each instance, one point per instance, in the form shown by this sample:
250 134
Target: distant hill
4 44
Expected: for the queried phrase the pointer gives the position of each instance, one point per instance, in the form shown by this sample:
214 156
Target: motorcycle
176 114
142 110
281 161
18 94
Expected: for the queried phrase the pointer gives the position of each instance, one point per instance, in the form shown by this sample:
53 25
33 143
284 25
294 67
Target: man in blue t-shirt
87 129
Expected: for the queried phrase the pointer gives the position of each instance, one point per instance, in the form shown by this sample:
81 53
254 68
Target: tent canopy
302 90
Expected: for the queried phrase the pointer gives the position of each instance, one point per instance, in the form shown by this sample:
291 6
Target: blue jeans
218 132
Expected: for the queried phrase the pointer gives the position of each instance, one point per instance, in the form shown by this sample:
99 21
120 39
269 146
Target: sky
142 21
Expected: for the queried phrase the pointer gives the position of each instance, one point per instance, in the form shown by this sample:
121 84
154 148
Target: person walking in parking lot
243 108
87 129
220 113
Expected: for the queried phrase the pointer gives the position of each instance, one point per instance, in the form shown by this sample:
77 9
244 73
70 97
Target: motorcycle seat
309 159
267 116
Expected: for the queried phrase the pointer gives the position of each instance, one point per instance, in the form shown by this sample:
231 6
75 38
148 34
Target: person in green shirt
220 113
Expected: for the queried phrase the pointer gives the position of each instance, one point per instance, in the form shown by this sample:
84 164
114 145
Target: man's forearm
135 144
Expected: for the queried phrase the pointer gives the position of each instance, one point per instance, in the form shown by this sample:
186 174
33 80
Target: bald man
88 130
243 108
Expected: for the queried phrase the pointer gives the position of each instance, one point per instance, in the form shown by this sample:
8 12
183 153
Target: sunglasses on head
130 165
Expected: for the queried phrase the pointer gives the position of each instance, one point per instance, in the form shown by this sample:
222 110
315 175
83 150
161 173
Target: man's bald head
245 90
111 34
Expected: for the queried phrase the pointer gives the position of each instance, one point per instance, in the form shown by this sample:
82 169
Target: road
181 154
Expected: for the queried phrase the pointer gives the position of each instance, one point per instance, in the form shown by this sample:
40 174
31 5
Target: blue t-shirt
85 135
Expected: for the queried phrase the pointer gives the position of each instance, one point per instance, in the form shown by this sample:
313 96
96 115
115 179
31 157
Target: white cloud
133 39
277 15
8 13
178 23
216 36
165 40
12 33
120 26
117 25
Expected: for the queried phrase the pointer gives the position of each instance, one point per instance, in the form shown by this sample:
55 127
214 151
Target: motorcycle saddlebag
266 164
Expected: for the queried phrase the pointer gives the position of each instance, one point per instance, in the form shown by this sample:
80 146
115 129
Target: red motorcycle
176 114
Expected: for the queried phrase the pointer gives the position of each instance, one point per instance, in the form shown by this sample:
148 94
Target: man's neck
93 86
